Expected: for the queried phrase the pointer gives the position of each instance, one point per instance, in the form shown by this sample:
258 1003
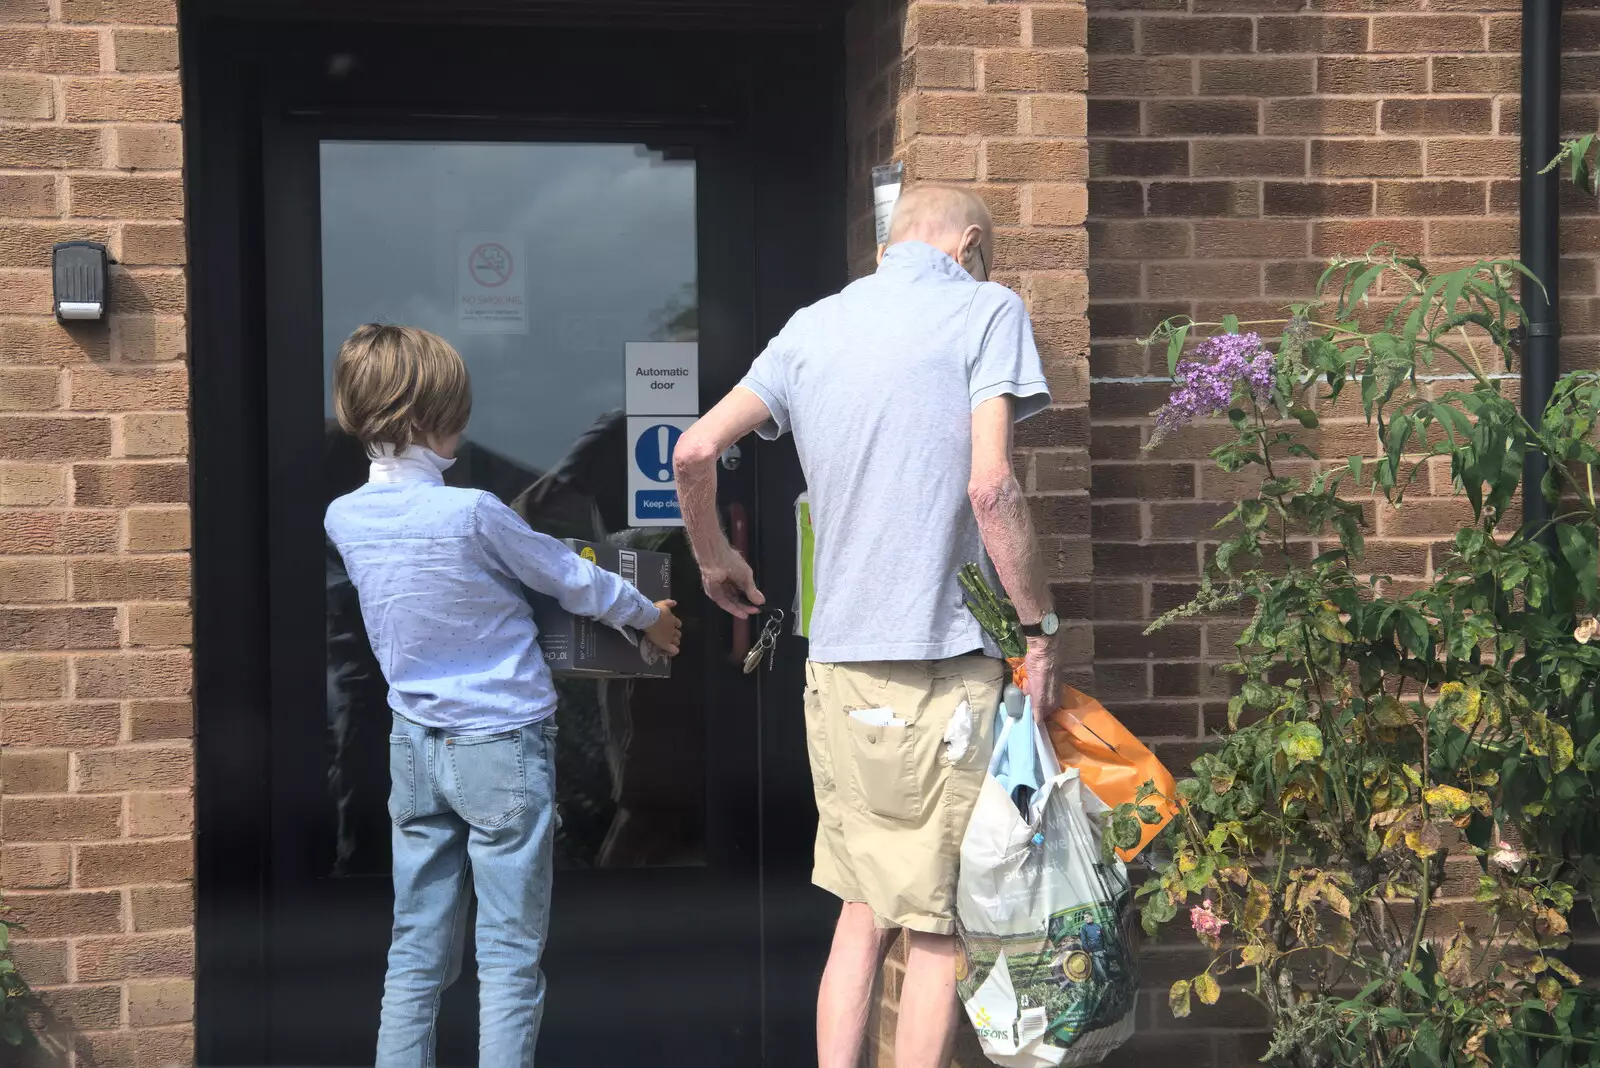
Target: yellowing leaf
1550 991
1451 800
1206 988
1301 742
1178 998
1457 963
1329 627
1254 954
1337 901
1257 906
1560 748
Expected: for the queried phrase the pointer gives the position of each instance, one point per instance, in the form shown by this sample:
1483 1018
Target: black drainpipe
1541 236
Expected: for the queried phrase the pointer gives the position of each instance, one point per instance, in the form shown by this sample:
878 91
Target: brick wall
992 95
95 770
1234 146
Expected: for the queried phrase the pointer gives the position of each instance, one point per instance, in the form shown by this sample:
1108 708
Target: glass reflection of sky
608 233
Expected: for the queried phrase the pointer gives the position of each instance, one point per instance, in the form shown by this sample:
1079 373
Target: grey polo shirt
877 384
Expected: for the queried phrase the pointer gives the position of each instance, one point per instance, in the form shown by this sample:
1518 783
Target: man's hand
730 582
1042 688
666 633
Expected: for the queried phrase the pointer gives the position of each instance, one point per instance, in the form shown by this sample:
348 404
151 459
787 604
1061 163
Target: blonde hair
395 384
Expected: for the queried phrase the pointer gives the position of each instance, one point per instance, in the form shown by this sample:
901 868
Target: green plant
1386 736
16 1000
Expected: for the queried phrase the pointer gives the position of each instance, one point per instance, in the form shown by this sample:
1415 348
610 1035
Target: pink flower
1206 922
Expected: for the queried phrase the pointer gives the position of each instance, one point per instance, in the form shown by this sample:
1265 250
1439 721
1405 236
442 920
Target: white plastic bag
1047 970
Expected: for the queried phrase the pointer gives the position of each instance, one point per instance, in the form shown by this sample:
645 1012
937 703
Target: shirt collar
918 259
414 463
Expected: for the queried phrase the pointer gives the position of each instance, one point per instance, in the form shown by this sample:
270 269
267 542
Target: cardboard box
585 648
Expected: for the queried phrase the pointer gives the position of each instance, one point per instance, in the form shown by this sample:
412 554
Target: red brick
24 580
1431 197
162 908
132 675
961 24
1384 157
121 484
1251 239
165 1001
145 50
1204 198
1476 74
1139 76
57 915
149 148
1359 75
1061 27
1113 116
134 957
145 767
30 389
1427 33
45 963
1034 160
58 819
1058 72
1059 204
1320 115
944 68
120 863
964 113
143 12
1257 77
33 773
1340 237
128 388
1138 158
115 196
25 10
1318 198
1203 117
35 867
57 533
1137 240
158 720
1106 35
84 1008
1041 250
1441 116
1473 156
1240 158
50 146
25 437
49 51
130 579
1296 278
63 726
1056 116
1311 34
59 628
44 341
1479 237
1115 279
146 99
1190 35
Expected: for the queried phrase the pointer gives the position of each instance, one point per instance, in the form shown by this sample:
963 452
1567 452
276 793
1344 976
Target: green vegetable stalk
993 611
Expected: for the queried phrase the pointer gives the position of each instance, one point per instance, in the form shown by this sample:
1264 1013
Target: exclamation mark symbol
663 450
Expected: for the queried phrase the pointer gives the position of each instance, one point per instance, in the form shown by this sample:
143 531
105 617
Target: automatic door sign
652 486
663 377
491 283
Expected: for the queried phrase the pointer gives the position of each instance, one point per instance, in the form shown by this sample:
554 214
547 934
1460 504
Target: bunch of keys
767 644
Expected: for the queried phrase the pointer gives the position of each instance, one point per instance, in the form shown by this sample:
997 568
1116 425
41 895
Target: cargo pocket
402 779
490 778
885 763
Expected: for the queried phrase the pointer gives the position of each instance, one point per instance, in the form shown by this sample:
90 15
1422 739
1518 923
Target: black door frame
797 232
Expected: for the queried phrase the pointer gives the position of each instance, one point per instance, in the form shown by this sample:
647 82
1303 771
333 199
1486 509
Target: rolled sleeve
768 377
1005 360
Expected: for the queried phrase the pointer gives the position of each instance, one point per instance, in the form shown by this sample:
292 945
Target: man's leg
845 997
925 1028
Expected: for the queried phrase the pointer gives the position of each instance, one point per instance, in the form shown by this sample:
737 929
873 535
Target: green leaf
1363 283
1230 324
1413 630
1578 549
1206 988
1307 417
1175 349
1149 814
1126 831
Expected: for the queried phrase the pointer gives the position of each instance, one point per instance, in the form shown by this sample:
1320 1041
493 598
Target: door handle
739 537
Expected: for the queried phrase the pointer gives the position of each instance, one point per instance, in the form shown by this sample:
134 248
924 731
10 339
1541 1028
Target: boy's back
439 571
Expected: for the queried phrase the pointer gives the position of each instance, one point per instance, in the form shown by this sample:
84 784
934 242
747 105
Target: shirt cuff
1032 397
777 423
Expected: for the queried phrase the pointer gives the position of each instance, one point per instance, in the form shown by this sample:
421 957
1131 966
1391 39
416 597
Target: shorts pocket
885 765
402 778
490 778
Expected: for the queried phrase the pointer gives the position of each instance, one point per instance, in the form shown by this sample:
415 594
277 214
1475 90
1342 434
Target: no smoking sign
491 290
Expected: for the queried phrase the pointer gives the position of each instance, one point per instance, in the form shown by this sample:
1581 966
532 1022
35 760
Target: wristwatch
1045 628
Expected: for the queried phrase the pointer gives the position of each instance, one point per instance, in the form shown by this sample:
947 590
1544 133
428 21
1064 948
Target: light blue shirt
877 384
440 572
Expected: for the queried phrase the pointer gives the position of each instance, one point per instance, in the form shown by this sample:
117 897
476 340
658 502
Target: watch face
1049 624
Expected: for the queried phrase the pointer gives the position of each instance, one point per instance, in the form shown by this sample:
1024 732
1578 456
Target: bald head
953 220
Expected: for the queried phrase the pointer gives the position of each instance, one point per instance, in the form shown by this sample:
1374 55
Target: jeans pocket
402 778
490 778
885 765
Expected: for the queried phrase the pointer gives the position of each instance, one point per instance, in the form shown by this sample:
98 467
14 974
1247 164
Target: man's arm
727 576
1007 530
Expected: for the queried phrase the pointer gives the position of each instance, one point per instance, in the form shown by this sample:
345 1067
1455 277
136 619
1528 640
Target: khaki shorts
893 800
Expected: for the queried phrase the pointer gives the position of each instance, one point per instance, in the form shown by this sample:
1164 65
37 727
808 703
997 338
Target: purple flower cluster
1220 366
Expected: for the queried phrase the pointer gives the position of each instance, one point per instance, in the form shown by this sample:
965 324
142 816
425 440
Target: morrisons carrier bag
1047 970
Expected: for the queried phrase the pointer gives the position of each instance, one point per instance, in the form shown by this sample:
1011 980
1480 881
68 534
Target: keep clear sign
663 400
491 283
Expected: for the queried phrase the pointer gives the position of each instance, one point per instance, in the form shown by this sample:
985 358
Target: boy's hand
666 633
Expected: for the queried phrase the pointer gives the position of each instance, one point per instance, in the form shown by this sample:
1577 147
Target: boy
471 756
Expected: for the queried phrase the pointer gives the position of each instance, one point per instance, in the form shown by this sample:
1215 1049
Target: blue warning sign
652 451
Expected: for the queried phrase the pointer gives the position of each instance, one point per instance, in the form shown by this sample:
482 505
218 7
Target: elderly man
901 392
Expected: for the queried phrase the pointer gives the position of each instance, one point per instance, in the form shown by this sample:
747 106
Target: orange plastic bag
1110 760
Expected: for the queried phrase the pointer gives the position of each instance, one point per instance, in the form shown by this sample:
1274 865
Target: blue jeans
484 803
